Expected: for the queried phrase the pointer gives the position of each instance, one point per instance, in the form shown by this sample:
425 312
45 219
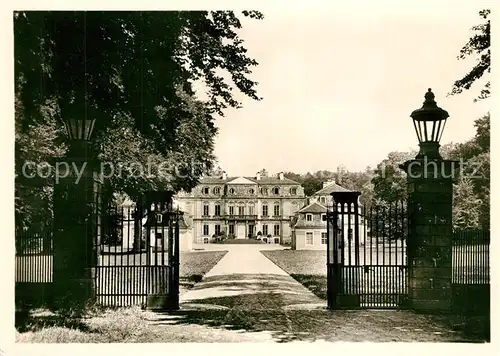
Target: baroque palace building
243 207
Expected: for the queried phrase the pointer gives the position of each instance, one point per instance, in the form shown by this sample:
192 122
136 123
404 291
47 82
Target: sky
339 84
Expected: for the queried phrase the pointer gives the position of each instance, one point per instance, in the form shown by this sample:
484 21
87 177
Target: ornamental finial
429 96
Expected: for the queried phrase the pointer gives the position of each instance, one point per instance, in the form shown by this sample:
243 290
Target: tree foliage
389 181
40 143
478 46
135 73
98 63
466 205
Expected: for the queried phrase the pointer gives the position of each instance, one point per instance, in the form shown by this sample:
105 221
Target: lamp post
430 193
76 199
429 122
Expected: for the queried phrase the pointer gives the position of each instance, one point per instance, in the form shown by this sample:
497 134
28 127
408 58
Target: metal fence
137 257
366 262
471 271
471 257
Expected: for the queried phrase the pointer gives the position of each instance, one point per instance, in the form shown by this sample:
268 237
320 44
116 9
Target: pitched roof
214 180
313 208
272 180
241 180
334 187
303 224
262 180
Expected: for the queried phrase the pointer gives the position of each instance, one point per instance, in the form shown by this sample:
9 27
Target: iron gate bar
378 281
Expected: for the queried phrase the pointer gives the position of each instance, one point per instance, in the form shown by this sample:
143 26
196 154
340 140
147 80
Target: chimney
328 182
281 176
224 175
257 176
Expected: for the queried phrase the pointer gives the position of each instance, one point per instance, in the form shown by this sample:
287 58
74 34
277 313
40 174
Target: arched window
263 191
276 190
206 190
216 190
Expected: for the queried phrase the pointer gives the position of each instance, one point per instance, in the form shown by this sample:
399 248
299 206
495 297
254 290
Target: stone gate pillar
430 194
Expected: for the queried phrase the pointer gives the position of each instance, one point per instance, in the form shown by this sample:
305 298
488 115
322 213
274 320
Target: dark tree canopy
99 64
134 72
478 46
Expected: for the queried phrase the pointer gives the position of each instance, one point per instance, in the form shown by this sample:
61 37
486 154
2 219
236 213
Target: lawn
307 267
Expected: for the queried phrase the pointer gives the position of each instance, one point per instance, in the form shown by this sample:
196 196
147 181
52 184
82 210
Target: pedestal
75 240
429 245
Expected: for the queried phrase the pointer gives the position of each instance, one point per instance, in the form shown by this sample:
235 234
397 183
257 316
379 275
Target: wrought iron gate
139 254
366 254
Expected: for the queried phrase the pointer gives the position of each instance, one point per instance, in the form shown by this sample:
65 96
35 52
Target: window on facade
264 230
251 191
217 210
251 210
217 191
276 191
309 238
250 229
206 190
276 210
231 210
322 200
159 218
323 217
323 238
309 217
276 230
206 211
263 191
241 210
206 231
293 191
217 229
264 210
231 229
231 191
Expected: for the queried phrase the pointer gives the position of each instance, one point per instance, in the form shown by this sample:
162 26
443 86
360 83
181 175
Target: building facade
243 207
309 224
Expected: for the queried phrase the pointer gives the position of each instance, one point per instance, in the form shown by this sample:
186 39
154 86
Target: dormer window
206 190
322 200
309 217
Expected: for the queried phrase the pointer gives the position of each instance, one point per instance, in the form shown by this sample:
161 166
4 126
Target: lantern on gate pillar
429 122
